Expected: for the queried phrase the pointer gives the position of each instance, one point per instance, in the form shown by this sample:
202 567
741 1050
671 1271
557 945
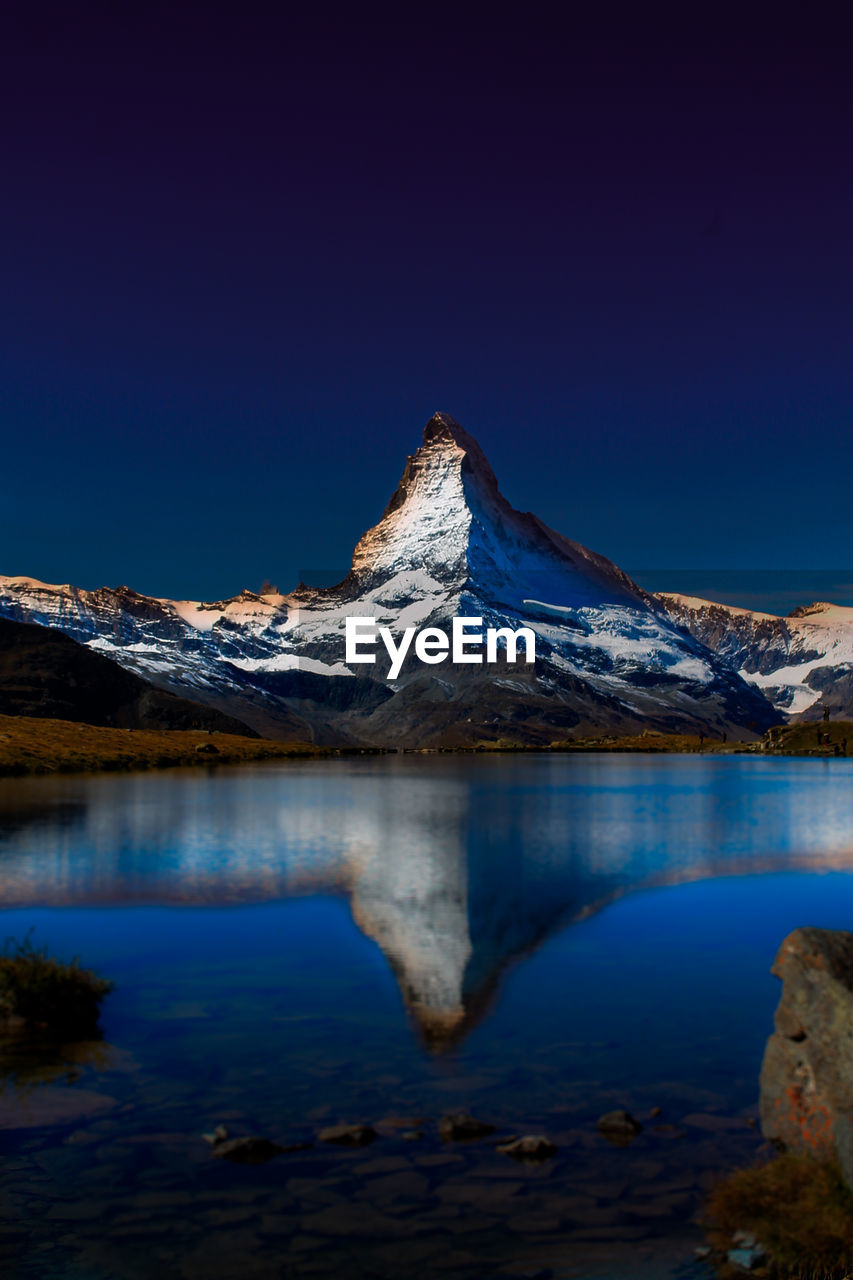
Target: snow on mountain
608 655
802 663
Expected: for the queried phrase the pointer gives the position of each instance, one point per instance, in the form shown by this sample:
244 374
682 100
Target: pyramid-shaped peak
426 525
448 523
442 427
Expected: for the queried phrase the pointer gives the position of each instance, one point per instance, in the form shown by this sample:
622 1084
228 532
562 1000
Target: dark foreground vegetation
798 1209
39 992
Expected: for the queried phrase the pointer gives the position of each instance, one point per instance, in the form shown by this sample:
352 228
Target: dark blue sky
246 257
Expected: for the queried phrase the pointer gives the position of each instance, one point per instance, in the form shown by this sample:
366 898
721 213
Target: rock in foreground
807 1073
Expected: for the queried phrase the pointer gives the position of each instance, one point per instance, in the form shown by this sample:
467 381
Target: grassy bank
669 743
807 738
32 746
803 739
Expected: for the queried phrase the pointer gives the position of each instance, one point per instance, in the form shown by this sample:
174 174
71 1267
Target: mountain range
610 657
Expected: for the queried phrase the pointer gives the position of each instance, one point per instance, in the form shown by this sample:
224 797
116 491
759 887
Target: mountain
608 655
802 663
44 673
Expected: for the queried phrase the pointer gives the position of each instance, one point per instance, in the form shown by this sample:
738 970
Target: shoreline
32 747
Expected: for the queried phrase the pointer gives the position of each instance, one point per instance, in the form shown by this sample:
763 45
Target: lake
534 939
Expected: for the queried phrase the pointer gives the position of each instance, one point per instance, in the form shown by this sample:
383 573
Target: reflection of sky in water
453 865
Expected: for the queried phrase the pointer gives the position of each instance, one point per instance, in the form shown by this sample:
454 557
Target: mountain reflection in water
454 866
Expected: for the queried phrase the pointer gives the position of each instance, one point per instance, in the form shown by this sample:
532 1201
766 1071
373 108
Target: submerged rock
532 1147
247 1150
746 1252
807 1073
619 1127
349 1135
460 1127
250 1150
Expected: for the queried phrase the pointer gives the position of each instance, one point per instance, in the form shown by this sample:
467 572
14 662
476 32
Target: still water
533 939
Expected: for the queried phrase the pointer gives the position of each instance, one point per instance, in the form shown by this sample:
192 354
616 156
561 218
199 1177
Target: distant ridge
776 591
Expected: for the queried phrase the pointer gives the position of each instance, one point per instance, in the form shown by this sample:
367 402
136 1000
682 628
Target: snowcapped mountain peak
426 525
447 522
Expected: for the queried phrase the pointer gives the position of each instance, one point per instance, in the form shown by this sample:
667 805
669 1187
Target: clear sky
246 256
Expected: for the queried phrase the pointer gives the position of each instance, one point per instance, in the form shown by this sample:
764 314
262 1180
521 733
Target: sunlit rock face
802 663
608 655
807 1072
